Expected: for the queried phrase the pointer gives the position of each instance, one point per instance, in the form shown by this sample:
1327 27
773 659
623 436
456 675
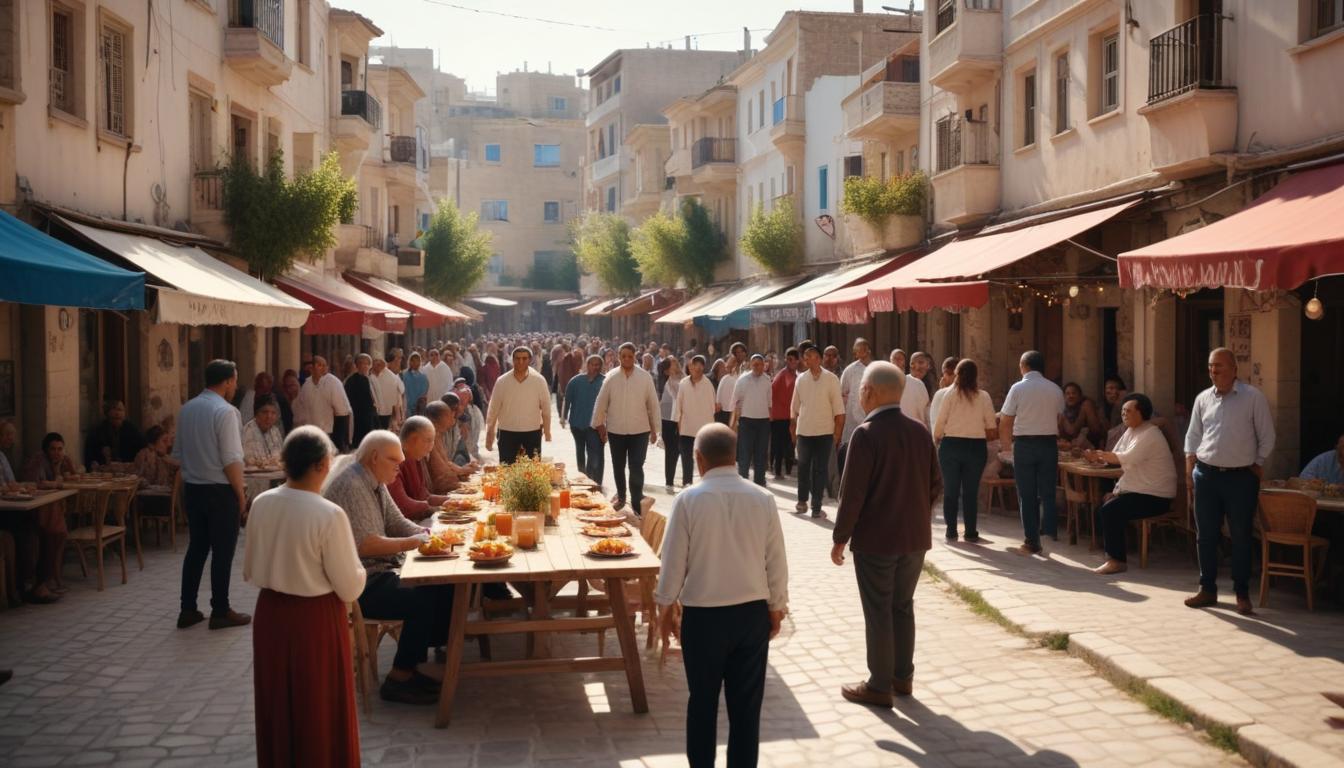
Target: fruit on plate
441 543
462 504
605 531
610 547
490 550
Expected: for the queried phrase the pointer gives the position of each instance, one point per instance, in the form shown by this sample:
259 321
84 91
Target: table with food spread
475 542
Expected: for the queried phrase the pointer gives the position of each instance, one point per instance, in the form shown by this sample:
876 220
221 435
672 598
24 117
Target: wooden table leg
541 609
1094 497
452 666
634 673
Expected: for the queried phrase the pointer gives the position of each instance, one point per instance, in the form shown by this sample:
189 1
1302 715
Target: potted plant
525 486
884 215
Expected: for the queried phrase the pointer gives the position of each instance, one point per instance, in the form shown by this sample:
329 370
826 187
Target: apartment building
626 91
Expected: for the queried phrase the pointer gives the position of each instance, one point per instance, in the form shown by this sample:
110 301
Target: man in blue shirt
580 398
417 385
1328 466
210 449
1031 425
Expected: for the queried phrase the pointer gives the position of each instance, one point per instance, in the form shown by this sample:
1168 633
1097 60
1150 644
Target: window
823 187
546 155
494 210
272 137
304 144
347 74
616 85
496 264
611 138
551 211
201 133
424 221
1327 16
611 199
63 83
559 104
853 166
1110 73
1029 109
760 115
751 115
1062 92
240 131
492 153
114 97
303 32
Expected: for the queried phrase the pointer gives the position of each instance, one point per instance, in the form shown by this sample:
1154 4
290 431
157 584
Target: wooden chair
161 521
1076 500
122 503
639 594
365 663
1002 489
94 533
1286 519
368 634
1175 518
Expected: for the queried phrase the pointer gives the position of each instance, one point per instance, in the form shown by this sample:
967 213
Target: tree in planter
456 253
874 200
273 221
775 239
602 245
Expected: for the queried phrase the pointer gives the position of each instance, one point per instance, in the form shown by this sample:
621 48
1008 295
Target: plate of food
603 518
610 547
490 552
605 531
456 518
440 544
587 502
462 504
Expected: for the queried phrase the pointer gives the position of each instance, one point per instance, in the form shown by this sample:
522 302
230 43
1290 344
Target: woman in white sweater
301 553
966 423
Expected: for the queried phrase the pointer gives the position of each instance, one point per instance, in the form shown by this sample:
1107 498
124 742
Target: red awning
428 312
338 307
1292 234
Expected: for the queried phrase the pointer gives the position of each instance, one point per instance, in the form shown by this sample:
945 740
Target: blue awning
39 269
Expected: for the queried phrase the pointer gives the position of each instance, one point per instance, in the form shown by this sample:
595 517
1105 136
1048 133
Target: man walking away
723 591
751 420
627 417
578 396
210 450
818 419
886 497
1031 423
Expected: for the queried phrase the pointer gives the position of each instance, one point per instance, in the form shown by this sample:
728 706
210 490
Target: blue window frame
492 153
611 199
494 210
559 104
616 85
823 187
777 111
424 222
551 211
546 155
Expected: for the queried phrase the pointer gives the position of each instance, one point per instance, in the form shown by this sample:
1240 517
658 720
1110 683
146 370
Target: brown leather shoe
229 619
185 619
1027 550
860 693
901 687
1202 599
1244 606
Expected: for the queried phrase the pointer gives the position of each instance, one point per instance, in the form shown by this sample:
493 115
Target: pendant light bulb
1073 291
1315 310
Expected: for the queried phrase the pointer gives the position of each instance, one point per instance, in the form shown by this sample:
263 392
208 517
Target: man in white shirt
751 420
439 375
1031 424
520 410
626 416
692 409
817 421
723 590
325 405
723 400
850 381
915 399
389 392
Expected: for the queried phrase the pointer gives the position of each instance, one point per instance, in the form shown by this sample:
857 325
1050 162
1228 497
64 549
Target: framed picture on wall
6 387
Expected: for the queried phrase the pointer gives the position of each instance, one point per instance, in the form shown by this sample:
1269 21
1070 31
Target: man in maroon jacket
886 497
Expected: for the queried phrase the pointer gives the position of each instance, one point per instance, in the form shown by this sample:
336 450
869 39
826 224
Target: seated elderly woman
410 488
444 473
152 463
1080 423
1147 486
262 435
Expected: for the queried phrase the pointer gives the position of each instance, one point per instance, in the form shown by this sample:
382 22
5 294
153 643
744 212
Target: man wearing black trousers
627 417
723 590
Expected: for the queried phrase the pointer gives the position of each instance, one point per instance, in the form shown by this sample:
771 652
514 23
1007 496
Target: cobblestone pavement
104 678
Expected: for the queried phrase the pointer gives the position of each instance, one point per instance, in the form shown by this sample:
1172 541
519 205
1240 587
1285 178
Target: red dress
304 680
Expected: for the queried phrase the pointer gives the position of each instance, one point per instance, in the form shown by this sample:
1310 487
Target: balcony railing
964 142
265 16
362 104
1186 57
207 189
947 13
711 150
403 149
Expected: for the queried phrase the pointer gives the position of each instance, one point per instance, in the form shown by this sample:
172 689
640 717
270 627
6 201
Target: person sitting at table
49 465
1080 422
381 533
262 435
113 438
470 427
444 473
1147 486
409 489
152 463
301 554
1328 466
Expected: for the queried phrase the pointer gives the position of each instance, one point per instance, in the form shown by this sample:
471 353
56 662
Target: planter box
896 233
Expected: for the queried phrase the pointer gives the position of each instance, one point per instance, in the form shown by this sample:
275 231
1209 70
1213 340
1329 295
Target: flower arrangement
525 485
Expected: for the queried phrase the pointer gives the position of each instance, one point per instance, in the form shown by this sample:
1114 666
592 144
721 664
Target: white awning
491 301
201 290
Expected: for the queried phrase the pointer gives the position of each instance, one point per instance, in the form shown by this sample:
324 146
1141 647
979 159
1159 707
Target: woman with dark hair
301 554
50 465
152 463
1147 486
966 423
477 396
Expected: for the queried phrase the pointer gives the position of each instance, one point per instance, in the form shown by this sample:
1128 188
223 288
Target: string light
1315 310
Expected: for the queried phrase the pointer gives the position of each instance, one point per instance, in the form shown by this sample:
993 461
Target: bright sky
477 45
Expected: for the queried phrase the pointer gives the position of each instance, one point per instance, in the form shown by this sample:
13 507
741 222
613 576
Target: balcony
605 167
714 161
679 163
966 178
402 149
410 262
361 115
1192 105
254 41
787 129
363 105
600 111
883 111
967 49
207 204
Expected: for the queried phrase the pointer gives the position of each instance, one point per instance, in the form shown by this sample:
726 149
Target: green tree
456 253
659 246
602 245
274 221
705 245
873 199
775 239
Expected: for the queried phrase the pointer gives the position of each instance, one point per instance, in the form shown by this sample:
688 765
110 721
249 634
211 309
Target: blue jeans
1233 496
814 461
962 460
1035 465
753 446
588 455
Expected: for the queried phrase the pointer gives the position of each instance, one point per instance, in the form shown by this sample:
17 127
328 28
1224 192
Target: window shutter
113 49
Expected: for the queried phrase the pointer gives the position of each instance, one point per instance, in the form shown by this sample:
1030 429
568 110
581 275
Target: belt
754 418
1211 468
1035 437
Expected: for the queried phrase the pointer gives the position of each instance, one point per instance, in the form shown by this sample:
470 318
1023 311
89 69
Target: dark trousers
423 611
1035 464
589 457
672 453
1113 519
340 433
753 445
512 443
631 448
384 421
887 593
686 449
212 522
723 417
725 647
1231 496
814 461
962 460
781 447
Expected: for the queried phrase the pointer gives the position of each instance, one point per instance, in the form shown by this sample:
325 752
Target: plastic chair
1286 519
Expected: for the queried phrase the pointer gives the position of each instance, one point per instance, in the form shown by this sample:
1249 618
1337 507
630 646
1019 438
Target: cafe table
1328 504
562 557
258 481
41 498
1092 474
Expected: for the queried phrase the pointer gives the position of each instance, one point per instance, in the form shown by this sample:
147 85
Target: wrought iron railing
265 16
362 104
712 150
963 142
403 149
947 13
1186 57
207 190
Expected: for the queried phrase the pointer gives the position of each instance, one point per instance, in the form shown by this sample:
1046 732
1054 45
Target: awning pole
1092 251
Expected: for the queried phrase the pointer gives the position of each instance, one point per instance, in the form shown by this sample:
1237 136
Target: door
1049 338
1323 379
1199 330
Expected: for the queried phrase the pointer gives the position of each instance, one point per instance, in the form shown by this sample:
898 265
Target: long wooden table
40 499
560 559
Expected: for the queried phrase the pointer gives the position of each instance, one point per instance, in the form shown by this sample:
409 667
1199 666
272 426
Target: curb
1260 745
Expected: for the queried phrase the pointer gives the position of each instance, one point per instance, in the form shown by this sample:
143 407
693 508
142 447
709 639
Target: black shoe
406 692
951 536
5 675
36 599
189 618
971 538
228 619
426 682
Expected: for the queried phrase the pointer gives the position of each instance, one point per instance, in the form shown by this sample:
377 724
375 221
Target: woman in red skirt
301 553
